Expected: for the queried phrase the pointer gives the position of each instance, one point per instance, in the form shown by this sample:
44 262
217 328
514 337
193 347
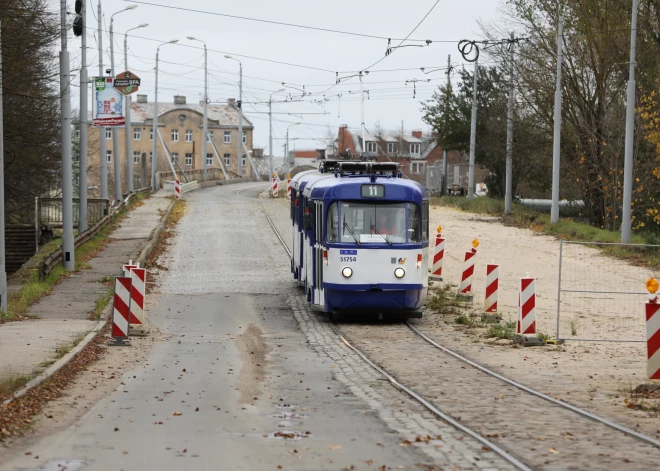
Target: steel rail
558 402
437 412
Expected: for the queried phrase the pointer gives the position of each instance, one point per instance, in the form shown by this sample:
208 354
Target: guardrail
197 174
48 211
55 258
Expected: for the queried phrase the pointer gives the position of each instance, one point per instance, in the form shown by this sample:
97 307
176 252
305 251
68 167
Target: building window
209 160
188 159
108 133
175 135
417 167
414 148
243 162
76 134
227 158
151 134
371 146
188 135
244 138
136 157
391 147
227 137
137 134
175 157
108 156
209 136
151 156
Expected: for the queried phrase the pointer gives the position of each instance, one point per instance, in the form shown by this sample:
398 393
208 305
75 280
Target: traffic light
78 21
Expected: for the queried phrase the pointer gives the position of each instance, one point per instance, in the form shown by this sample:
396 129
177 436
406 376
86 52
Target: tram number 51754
348 259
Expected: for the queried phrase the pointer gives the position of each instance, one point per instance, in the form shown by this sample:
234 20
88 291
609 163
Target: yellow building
180 126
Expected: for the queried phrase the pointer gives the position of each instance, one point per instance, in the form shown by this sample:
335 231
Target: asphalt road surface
234 385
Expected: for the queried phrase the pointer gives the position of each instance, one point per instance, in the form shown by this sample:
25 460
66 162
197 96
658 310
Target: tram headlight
347 272
399 272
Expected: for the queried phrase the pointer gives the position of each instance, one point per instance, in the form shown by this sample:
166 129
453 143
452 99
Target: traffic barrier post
438 256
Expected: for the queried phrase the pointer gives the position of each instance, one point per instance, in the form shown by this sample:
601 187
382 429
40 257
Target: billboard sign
108 109
127 82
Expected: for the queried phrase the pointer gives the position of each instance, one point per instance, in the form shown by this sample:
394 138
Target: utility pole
364 143
509 140
82 186
626 221
473 133
270 135
206 102
128 128
3 270
445 155
68 259
154 155
115 134
103 161
554 211
240 116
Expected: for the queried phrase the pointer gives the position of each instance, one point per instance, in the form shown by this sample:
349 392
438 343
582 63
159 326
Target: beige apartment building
180 126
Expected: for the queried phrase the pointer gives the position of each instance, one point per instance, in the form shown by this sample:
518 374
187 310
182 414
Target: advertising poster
108 109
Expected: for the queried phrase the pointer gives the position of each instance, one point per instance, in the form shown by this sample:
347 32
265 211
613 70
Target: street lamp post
103 160
129 138
115 135
286 156
206 103
270 135
154 158
240 116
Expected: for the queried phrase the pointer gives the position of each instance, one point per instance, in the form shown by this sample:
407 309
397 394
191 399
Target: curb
144 253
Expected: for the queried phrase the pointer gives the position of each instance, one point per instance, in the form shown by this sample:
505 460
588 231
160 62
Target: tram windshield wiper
373 228
350 231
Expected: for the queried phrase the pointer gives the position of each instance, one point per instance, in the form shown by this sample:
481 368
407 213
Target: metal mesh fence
601 298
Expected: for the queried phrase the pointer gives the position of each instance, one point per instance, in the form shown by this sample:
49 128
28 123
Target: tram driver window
414 223
332 224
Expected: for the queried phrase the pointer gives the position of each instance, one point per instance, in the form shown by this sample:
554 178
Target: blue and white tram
360 238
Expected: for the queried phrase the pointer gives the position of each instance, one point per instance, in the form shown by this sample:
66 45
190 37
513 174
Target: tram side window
425 220
414 223
293 205
332 224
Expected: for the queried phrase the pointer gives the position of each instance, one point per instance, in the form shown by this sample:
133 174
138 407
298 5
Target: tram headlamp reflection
347 272
399 272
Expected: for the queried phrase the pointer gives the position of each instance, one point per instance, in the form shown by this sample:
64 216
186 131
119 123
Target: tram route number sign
127 82
373 191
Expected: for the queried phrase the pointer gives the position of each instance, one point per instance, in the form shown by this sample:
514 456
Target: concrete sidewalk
64 315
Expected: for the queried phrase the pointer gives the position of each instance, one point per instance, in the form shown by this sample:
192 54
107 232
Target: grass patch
444 300
101 302
502 331
34 289
64 349
567 228
10 383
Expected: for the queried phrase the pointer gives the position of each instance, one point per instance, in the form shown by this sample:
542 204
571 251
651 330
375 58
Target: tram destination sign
127 82
373 191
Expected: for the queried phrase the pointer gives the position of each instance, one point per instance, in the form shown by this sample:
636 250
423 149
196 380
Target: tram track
461 418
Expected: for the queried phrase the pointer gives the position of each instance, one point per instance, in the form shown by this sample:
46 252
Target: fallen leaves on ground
334 447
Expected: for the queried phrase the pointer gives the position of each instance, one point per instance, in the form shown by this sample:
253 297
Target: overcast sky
390 103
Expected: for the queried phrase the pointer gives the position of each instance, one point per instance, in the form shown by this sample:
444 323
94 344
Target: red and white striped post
139 278
275 190
653 331
492 285
438 256
177 188
527 306
465 288
288 185
121 310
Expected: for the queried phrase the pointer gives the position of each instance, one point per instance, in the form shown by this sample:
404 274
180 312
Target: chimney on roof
179 100
417 134
142 98
231 101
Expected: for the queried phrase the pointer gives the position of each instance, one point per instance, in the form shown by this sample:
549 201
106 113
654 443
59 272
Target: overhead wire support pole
68 259
205 131
556 142
103 160
473 133
626 219
445 154
271 170
115 133
82 182
364 143
3 269
509 138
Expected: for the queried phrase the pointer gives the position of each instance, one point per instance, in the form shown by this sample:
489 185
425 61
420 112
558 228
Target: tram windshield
369 223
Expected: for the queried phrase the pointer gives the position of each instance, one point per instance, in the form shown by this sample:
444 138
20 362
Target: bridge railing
48 211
